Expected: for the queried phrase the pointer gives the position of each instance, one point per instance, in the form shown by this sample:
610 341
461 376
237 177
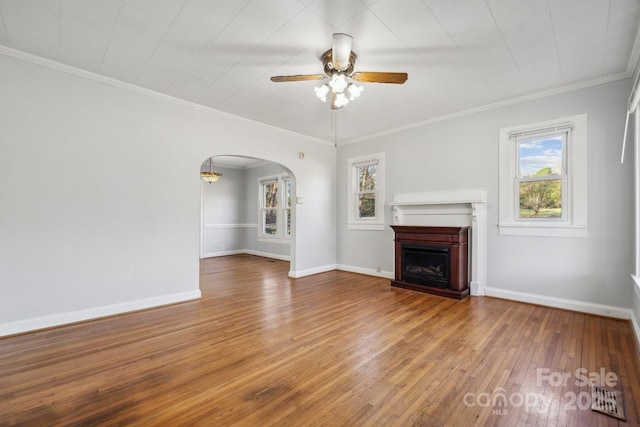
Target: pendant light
210 175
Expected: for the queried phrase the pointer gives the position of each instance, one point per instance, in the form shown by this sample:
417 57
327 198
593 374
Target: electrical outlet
379 269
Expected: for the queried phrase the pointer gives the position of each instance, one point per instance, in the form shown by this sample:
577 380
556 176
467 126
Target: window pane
288 222
287 185
541 199
542 156
271 222
367 177
270 191
366 205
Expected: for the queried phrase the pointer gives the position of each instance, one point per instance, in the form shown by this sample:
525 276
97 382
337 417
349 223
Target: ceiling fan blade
341 51
379 77
298 78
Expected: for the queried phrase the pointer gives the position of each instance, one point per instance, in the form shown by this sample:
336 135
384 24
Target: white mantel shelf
443 197
463 207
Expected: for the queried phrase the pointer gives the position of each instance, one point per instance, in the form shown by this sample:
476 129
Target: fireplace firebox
426 265
432 259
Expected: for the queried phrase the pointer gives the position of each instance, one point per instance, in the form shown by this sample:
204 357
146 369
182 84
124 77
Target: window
287 196
543 178
275 207
366 189
270 208
366 193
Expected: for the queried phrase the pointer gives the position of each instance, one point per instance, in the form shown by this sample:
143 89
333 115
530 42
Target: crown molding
495 105
48 63
631 70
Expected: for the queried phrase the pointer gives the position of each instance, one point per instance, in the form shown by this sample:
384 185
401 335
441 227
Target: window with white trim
287 206
543 178
275 207
366 193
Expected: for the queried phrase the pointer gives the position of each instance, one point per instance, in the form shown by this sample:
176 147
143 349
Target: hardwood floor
331 349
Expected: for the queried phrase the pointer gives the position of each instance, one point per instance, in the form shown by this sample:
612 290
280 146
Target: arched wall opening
233 208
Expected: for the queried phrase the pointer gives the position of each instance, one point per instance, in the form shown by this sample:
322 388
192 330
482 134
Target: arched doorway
250 209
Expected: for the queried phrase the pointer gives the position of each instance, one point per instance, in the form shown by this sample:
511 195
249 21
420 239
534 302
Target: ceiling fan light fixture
338 100
338 82
338 63
322 91
354 91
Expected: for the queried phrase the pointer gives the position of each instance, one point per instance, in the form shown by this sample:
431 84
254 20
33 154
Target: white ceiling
460 54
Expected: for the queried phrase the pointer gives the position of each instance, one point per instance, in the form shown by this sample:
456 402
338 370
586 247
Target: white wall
463 153
223 213
100 194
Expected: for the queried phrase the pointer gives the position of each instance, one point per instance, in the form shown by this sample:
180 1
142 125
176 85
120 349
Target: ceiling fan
338 65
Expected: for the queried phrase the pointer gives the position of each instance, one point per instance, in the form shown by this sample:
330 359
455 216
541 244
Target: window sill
377 226
543 230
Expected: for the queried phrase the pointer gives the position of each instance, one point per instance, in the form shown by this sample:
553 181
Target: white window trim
636 144
353 222
575 223
282 209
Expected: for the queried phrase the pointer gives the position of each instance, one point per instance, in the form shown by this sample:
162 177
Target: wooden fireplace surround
455 238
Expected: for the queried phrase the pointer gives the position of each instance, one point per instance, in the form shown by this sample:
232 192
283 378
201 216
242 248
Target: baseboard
29 325
247 251
567 304
267 255
636 329
223 253
366 271
634 319
302 273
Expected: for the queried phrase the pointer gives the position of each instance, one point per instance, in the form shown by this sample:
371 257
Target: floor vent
608 402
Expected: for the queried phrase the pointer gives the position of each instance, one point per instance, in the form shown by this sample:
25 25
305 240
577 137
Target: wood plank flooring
334 349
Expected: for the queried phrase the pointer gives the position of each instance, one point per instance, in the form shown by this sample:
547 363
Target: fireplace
451 208
426 265
432 259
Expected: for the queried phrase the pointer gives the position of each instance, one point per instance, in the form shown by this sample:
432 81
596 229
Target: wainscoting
234 239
